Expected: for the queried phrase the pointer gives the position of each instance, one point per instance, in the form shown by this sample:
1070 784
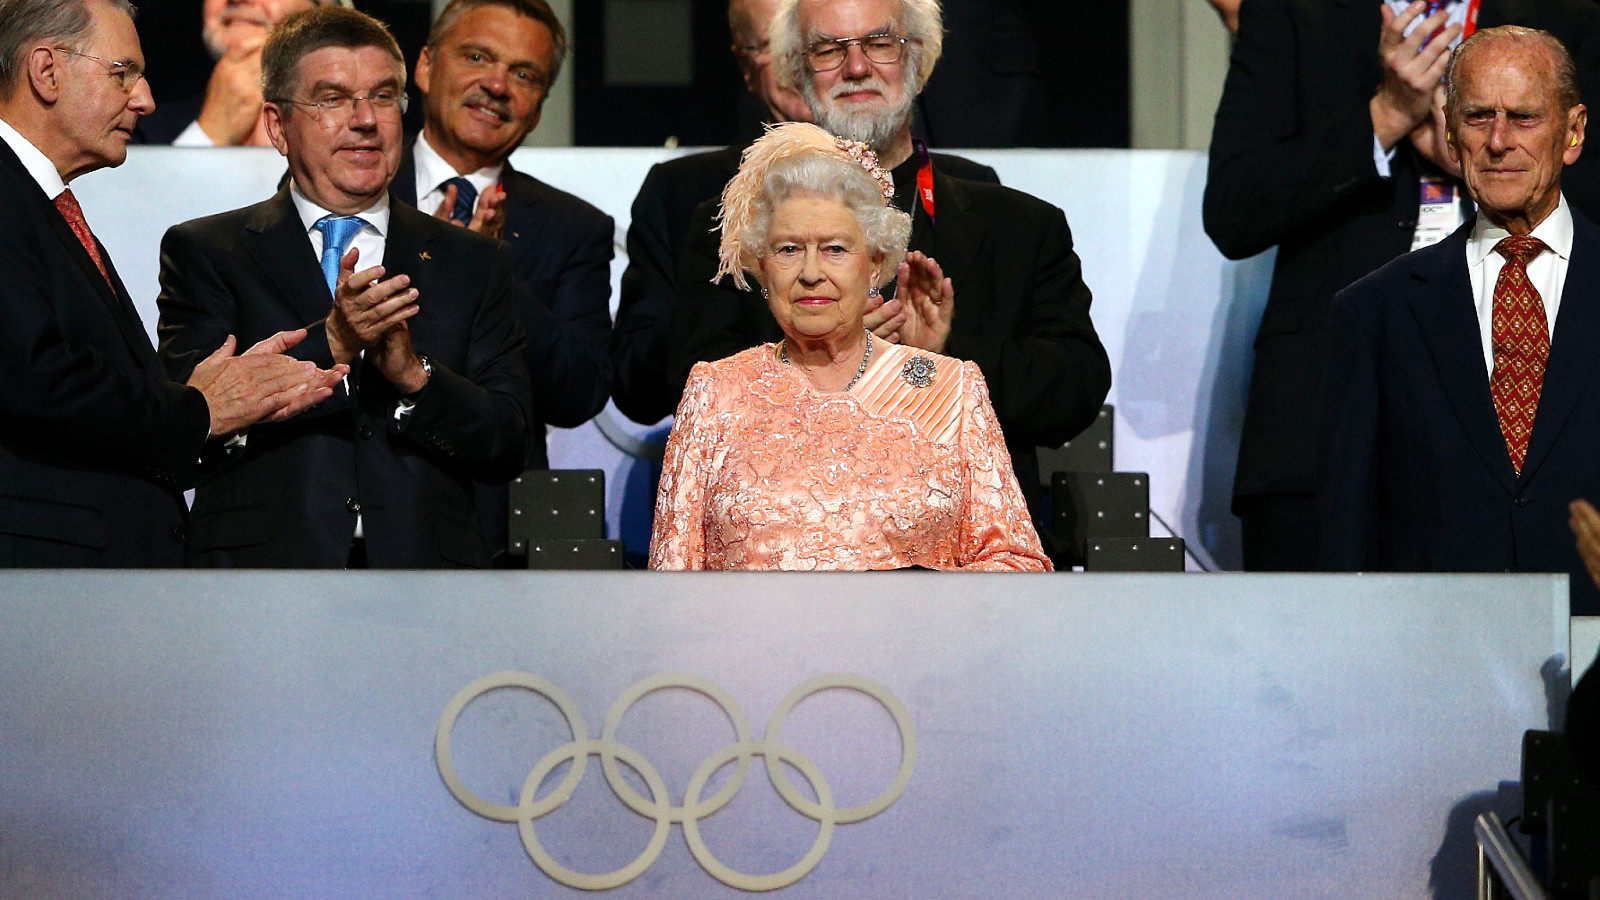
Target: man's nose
856 64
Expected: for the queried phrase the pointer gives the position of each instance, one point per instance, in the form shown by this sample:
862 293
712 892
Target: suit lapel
959 235
111 293
1443 308
277 239
1572 353
404 185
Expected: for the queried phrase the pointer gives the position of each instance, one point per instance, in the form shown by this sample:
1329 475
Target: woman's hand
1585 524
929 301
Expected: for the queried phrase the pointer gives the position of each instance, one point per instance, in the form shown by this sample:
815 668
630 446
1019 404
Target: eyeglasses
384 102
126 74
825 56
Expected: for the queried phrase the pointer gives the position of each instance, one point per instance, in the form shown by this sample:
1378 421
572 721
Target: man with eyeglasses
96 444
665 207
381 474
229 113
484 75
1020 307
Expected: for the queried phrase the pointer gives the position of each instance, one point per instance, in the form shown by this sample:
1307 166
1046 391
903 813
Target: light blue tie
337 233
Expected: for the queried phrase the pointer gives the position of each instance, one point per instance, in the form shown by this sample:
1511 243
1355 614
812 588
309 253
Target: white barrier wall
1176 318
253 734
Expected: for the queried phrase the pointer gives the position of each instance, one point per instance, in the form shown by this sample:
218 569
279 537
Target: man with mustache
1020 309
96 444
229 113
381 474
665 207
484 75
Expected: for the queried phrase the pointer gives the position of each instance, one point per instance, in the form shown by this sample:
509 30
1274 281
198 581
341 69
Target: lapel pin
425 255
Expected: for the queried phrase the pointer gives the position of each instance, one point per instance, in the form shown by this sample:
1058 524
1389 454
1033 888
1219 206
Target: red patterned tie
1521 343
73 213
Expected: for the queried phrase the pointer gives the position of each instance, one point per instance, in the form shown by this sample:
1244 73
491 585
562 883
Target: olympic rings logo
658 806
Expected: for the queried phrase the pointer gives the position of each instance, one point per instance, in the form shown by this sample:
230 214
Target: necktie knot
337 233
1520 248
466 199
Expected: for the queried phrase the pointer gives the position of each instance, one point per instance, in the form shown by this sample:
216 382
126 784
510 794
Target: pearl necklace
783 354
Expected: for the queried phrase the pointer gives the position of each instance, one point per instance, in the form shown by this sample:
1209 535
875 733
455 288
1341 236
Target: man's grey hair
1566 73
831 176
25 24
308 31
537 10
920 22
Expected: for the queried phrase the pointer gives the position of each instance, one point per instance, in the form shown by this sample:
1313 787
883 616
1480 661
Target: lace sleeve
996 531
678 537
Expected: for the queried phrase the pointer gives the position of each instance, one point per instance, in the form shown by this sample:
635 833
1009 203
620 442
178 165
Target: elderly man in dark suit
382 474
1020 308
665 209
1325 146
484 74
96 444
1461 416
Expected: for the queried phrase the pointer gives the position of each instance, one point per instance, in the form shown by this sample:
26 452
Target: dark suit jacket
96 445
1416 474
561 247
662 214
291 497
1291 166
1021 311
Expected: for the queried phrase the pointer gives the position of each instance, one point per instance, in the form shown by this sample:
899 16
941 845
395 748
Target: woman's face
816 268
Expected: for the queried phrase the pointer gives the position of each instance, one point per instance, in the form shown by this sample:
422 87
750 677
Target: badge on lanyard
1439 213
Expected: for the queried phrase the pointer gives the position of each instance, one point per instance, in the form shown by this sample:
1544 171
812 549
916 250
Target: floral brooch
919 371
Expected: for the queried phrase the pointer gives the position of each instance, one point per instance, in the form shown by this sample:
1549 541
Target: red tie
1521 342
73 213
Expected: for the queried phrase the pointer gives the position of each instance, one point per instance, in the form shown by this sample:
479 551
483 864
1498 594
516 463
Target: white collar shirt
369 241
33 159
1547 272
433 172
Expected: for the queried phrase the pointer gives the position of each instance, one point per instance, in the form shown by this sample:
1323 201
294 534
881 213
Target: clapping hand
1585 524
365 308
261 384
489 218
929 302
1411 71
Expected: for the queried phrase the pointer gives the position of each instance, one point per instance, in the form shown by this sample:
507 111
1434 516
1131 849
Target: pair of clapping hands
1410 99
369 314
923 305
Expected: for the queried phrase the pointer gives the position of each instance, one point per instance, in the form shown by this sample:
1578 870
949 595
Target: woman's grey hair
835 177
920 22
25 23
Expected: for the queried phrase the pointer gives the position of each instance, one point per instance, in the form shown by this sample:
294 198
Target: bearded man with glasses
1017 305
422 312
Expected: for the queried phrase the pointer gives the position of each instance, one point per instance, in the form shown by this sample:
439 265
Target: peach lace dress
762 471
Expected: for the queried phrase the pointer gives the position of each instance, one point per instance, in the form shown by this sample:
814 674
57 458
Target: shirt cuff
1382 158
193 136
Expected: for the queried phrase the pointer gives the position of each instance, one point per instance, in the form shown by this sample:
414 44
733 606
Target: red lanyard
925 179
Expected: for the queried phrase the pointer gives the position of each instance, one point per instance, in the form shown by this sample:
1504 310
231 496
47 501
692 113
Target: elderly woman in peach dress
835 449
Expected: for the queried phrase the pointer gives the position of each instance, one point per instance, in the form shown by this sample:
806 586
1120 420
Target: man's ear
424 71
1577 121
1451 148
273 116
45 74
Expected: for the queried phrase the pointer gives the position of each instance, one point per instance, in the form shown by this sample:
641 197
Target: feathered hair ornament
781 141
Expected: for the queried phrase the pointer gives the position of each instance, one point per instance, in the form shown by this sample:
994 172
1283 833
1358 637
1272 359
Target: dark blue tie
466 198
337 233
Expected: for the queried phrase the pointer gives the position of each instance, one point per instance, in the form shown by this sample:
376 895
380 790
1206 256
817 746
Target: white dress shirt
34 160
369 243
1547 272
433 171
